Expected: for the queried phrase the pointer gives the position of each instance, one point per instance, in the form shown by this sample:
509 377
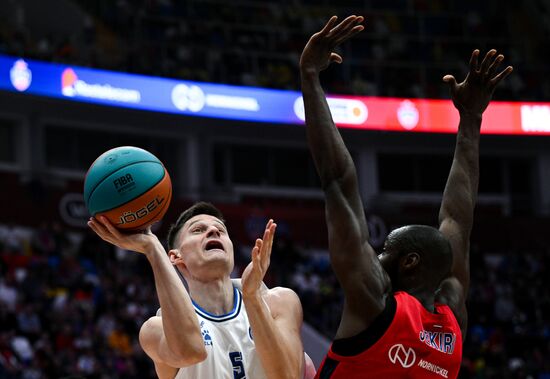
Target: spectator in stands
173 40
487 350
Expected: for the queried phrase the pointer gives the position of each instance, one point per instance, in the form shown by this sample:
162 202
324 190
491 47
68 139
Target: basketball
129 186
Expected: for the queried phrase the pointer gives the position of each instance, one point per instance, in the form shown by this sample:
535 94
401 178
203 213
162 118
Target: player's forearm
336 171
179 321
279 360
460 193
331 157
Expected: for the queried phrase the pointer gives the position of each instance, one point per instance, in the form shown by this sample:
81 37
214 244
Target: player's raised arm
275 315
471 98
174 339
355 263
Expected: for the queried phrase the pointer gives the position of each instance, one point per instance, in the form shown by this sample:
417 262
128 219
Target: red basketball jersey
417 344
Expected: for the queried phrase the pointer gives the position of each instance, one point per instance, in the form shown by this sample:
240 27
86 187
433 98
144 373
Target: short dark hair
199 208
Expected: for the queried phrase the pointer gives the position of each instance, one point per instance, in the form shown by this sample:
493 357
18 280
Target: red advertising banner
437 116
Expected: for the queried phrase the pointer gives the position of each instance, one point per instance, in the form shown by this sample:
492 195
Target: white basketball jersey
230 346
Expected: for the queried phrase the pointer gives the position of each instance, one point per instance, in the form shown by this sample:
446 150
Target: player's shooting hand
254 273
318 53
473 95
140 242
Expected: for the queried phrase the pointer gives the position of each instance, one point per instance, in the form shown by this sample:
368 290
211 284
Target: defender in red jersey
404 312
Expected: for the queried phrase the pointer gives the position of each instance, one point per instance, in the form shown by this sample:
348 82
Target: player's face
389 261
205 247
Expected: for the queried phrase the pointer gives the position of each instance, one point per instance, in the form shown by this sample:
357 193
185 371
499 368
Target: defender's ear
410 261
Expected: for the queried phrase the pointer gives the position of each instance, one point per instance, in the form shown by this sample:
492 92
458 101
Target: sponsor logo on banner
344 111
73 209
408 115
240 103
187 97
535 118
405 356
72 86
20 75
193 98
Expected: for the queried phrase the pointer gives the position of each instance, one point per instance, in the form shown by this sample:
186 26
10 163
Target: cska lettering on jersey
444 342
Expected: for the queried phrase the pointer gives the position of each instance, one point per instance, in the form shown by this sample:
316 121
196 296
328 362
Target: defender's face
389 262
385 261
205 246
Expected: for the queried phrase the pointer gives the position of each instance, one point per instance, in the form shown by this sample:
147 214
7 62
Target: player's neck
215 297
425 297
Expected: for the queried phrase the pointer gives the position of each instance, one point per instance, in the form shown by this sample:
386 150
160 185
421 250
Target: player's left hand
473 95
254 273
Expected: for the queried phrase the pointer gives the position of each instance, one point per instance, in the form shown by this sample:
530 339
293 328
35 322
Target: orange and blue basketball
129 186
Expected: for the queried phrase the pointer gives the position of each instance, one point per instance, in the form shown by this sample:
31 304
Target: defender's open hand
318 54
474 93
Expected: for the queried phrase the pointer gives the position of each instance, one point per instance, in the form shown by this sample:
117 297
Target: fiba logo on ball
20 75
129 186
187 97
408 115
124 183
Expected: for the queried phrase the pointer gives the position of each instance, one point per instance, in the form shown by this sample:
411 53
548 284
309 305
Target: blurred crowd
71 305
407 45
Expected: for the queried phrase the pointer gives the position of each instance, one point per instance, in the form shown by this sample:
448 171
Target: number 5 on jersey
236 358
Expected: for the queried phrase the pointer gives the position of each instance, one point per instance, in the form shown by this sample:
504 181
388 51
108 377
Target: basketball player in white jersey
215 329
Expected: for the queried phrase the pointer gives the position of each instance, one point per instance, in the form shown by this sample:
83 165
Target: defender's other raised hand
473 95
318 53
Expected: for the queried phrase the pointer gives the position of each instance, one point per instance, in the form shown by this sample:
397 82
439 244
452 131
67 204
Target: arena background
71 304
